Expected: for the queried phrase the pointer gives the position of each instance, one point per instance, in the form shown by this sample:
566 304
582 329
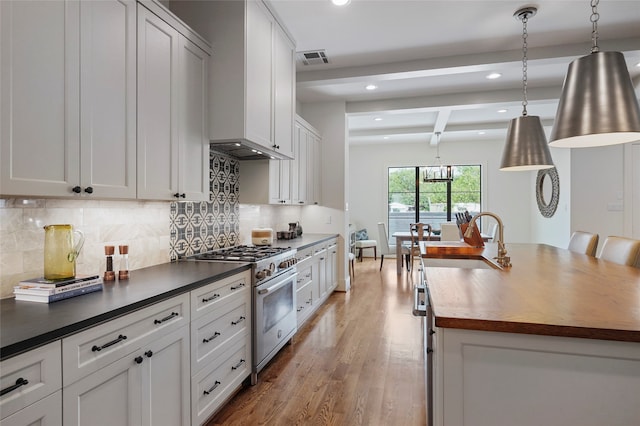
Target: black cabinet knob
138 360
88 190
148 354
76 189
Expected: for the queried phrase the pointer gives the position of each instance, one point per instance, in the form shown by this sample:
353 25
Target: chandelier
438 172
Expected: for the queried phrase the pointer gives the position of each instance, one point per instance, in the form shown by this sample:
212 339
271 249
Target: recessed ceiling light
638 64
341 2
502 110
494 75
378 119
385 137
371 87
481 133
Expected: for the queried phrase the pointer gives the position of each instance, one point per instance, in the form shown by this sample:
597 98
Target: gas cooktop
242 253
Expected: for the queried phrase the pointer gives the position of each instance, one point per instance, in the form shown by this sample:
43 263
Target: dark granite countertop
27 325
304 241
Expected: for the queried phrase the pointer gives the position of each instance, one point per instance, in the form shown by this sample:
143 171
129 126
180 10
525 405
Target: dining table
402 236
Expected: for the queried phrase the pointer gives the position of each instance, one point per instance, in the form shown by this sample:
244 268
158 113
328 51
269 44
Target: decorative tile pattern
196 227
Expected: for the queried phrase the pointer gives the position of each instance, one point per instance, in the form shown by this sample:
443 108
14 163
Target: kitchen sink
459 263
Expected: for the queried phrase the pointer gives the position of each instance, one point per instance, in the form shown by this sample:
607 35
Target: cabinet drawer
46 412
304 302
97 347
304 277
211 387
30 377
207 298
211 333
304 255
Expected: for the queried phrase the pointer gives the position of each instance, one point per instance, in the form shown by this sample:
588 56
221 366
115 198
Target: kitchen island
555 339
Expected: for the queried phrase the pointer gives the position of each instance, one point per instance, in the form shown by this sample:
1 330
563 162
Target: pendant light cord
594 26
525 18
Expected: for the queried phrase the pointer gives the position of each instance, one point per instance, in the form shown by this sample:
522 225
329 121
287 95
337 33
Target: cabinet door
280 181
299 167
110 396
157 160
259 75
284 96
108 98
39 110
321 272
193 124
314 161
332 266
165 380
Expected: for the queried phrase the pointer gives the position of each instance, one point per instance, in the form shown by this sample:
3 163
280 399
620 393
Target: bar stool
584 242
621 250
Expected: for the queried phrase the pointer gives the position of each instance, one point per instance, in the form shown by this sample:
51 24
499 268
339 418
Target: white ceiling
429 59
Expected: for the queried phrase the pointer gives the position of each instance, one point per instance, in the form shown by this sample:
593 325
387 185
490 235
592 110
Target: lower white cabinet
332 265
30 383
150 386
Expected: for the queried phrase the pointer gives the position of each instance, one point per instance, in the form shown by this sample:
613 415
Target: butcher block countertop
547 291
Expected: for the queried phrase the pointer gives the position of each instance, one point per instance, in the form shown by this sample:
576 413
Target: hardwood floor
357 361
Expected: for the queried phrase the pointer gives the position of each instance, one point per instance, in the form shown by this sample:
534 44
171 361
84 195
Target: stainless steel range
273 299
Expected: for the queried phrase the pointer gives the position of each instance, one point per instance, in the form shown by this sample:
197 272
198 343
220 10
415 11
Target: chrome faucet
502 258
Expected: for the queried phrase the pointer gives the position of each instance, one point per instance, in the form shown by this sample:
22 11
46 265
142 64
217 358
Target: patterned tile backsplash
196 227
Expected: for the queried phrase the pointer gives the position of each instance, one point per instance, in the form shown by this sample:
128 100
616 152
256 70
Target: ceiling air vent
313 57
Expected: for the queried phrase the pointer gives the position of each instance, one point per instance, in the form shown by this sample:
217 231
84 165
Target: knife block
476 239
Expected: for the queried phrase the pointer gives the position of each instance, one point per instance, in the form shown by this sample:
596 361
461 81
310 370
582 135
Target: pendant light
598 105
438 173
526 147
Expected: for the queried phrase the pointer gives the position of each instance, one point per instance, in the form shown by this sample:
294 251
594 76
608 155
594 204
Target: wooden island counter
553 340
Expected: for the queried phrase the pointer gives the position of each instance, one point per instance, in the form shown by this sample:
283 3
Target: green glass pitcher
62 245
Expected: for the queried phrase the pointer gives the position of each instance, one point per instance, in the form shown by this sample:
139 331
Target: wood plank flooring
357 361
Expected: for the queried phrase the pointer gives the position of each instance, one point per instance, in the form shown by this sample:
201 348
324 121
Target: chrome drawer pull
235 367
238 322
19 382
167 318
300 308
214 297
215 385
237 287
216 334
111 343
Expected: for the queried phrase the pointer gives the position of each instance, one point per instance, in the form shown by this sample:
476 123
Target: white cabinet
149 386
320 269
68 112
305 168
332 265
173 148
31 385
253 77
133 370
220 343
506 379
265 182
306 296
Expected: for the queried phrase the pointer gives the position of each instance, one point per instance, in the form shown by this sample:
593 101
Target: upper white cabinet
68 109
305 175
173 145
252 77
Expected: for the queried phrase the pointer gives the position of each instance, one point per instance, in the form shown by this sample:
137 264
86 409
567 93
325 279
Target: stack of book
46 291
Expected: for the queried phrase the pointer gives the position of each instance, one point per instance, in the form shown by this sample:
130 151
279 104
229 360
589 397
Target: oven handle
278 284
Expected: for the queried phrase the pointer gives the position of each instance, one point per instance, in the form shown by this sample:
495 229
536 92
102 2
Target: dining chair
624 251
363 242
584 242
384 245
418 231
449 231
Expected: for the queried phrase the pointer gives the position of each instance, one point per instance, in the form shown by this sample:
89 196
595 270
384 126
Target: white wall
508 194
597 190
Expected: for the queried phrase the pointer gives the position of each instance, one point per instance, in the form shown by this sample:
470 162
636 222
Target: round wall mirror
547 191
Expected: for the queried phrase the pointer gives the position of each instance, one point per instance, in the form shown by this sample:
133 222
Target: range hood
246 150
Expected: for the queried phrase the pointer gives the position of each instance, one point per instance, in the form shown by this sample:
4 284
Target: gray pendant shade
526 147
598 105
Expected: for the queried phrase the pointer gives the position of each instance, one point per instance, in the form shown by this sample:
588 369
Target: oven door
275 316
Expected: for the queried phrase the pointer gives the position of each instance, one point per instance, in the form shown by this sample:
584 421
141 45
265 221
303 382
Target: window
411 200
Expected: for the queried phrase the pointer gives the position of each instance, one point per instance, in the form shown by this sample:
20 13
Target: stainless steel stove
273 298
